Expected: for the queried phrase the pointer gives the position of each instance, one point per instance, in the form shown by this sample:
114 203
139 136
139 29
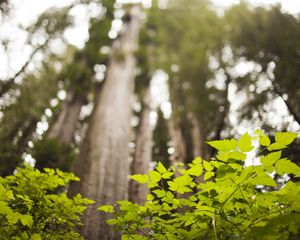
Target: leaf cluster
223 198
31 206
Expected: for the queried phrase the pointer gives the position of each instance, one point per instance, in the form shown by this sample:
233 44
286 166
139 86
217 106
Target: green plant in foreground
31 206
235 200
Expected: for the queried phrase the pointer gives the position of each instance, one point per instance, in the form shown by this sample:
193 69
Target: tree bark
143 152
64 127
198 138
178 141
223 114
103 161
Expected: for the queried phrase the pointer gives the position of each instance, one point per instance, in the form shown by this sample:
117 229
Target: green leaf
167 175
36 237
276 146
152 184
106 208
270 169
205 210
150 197
264 140
183 189
140 178
285 138
264 179
286 166
14 217
197 161
112 221
2 190
271 158
154 176
133 237
224 145
160 168
208 175
237 155
26 220
160 193
208 166
4 209
24 236
223 155
173 186
10 195
195 171
245 142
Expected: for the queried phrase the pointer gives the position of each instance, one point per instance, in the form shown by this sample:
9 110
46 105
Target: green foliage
242 201
9 158
53 154
23 113
267 37
32 208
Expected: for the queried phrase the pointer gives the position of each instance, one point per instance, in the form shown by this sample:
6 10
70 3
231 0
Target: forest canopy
172 119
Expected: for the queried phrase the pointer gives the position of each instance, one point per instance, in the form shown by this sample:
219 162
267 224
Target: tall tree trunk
178 141
222 114
61 135
198 138
103 161
65 125
143 151
179 126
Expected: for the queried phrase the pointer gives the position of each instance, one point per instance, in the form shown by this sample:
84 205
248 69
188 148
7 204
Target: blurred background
205 70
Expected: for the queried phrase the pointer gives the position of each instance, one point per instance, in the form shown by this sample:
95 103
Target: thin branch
278 91
11 81
258 220
233 224
246 199
228 199
225 218
214 226
238 186
287 103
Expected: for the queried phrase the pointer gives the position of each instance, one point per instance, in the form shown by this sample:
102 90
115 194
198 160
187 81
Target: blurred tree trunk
103 161
178 125
178 141
64 127
223 113
78 75
161 140
198 138
143 151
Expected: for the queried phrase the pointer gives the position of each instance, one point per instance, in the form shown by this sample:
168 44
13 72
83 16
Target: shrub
34 206
223 198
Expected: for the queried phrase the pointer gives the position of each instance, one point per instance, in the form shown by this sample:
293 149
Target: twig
11 81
